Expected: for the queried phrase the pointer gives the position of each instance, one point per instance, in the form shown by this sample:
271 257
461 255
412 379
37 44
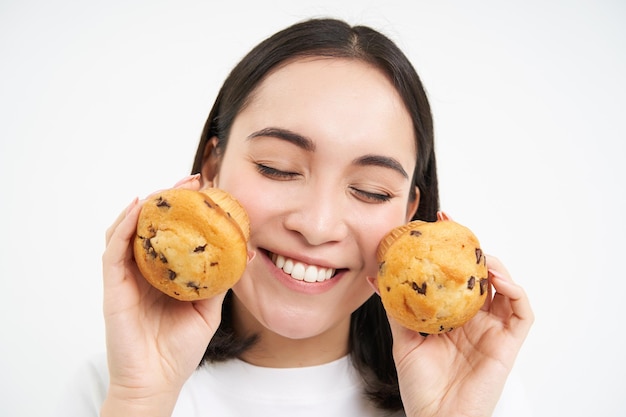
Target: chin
300 324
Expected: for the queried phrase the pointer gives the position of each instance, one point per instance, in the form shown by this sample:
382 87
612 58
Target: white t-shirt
236 388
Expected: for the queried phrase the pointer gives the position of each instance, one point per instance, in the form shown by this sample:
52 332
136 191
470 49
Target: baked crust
432 276
189 245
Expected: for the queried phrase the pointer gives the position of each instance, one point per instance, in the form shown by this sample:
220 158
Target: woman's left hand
462 372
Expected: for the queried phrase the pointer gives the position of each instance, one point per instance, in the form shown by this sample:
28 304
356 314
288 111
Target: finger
191 182
118 220
511 306
494 263
210 310
404 340
442 215
373 281
118 249
515 294
188 181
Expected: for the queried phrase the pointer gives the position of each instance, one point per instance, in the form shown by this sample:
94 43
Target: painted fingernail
187 179
495 273
441 215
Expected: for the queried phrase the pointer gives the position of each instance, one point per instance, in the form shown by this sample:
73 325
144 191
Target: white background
104 101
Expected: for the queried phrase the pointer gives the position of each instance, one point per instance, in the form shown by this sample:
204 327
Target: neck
273 350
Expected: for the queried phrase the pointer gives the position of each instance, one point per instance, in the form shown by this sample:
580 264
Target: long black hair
370 340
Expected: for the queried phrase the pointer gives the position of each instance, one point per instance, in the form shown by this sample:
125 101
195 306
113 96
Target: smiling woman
299 182
323 133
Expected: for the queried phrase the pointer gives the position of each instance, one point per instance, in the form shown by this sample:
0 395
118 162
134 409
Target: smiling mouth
301 271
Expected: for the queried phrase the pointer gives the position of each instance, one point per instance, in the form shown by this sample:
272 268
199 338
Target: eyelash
284 175
275 173
372 197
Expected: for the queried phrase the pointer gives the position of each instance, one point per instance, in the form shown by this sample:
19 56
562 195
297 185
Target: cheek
373 228
253 196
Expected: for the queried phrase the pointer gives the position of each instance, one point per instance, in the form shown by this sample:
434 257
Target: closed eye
370 197
274 173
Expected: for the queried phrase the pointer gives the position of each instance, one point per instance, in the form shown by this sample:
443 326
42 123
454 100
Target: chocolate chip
147 245
161 202
470 283
199 249
171 275
214 263
381 266
479 255
388 289
208 204
441 328
162 258
194 285
424 334
484 284
415 233
420 290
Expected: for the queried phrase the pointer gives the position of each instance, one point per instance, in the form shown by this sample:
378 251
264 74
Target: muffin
432 276
190 244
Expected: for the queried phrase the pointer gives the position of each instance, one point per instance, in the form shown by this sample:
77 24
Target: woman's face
321 158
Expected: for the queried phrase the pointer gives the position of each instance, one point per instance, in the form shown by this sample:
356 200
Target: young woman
323 132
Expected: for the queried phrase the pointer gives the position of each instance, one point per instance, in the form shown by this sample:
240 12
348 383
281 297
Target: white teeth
302 272
298 271
288 267
310 274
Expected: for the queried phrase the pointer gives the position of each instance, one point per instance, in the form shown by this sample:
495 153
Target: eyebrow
308 145
274 132
381 161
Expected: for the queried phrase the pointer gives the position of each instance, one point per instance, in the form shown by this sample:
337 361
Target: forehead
345 99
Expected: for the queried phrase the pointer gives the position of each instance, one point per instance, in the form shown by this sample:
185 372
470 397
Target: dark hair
370 335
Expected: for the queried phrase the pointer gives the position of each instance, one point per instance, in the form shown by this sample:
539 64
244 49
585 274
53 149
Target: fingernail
492 272
495 274
187 179
441 215
251 255
373 283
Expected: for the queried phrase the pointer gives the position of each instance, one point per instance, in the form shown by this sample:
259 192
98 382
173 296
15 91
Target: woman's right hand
154 342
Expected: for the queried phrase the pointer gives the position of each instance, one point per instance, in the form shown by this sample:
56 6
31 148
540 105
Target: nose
319 216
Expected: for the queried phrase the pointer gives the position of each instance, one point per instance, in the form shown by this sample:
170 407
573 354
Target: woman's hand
154 342
462 373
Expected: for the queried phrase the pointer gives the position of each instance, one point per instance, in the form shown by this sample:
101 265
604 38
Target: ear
210 163
413 205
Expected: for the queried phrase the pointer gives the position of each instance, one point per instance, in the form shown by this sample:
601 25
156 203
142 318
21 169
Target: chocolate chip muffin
192 244
432 276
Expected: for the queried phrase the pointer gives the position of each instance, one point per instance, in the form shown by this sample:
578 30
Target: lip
310 288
